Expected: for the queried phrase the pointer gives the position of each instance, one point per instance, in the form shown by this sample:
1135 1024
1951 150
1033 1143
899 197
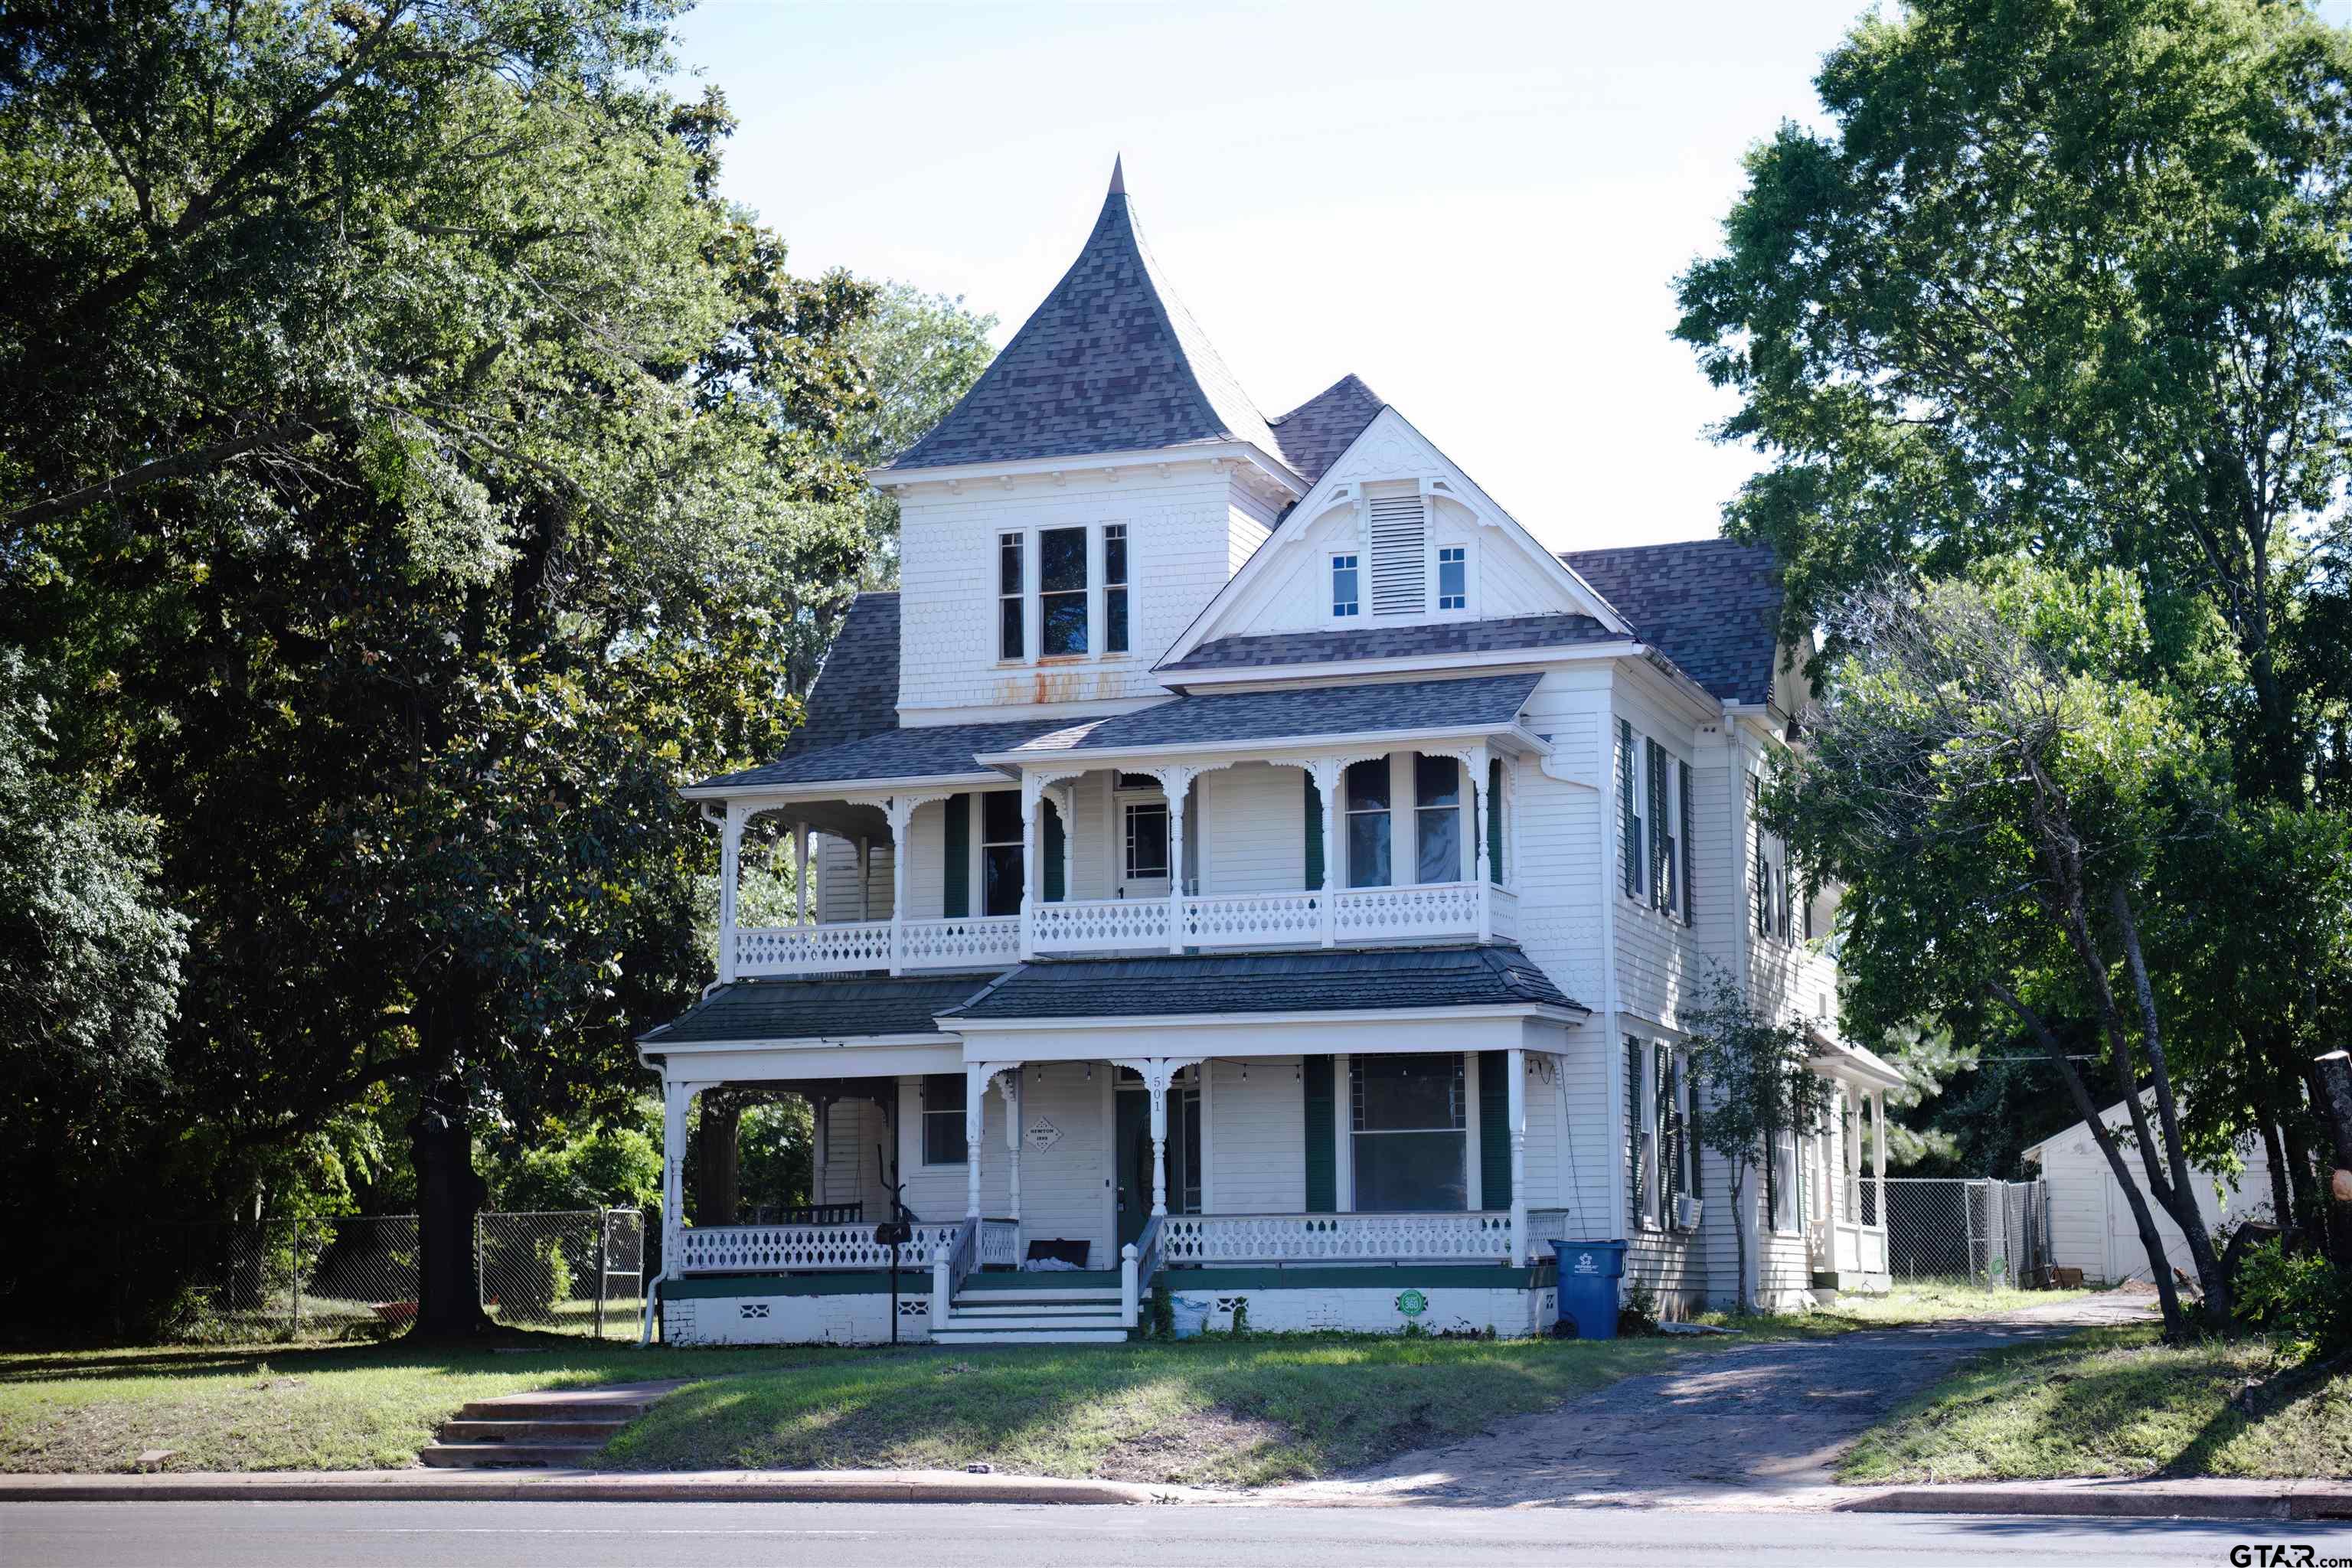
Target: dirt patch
1201 1447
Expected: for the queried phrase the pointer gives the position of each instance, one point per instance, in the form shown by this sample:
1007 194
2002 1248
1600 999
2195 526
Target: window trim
1017 541
981 843
1098 593
1124 588
1349 813
1462 1093
1085 593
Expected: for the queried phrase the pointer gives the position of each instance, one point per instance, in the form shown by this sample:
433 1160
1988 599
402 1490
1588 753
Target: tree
1758 1083
1999 799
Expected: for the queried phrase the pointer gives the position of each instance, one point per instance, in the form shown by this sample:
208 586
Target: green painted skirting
860 1282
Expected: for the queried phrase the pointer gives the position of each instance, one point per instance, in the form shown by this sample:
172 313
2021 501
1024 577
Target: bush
1638 1314
2298 1295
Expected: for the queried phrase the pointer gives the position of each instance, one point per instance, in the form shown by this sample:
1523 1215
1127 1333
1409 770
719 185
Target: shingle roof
838 1007
856 689
1374 708
1394 642
931 750
1112 362
1710 605
1314 434
1320 980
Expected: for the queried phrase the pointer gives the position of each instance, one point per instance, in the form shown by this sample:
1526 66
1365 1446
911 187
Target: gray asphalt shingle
1323 980
936 751
837 1007
1708 605
1275 649
1314 434
1374 708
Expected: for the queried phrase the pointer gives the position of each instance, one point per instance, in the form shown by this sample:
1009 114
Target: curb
581 1486
2118 1499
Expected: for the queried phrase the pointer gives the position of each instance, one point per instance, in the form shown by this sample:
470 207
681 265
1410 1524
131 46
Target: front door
1131 1151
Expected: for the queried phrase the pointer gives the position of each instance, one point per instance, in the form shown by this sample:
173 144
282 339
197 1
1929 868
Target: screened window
1452 578
1000 853
1367 823
943 1103
1645 1092
1347 597
1437 819
1633 825
1062 590
1115 587
1411 1146
1147 839
1787 1209
1009 588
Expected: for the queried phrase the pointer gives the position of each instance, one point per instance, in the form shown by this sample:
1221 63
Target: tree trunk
2333 1072
1741 1218
2282 1187
449 1192
716 1177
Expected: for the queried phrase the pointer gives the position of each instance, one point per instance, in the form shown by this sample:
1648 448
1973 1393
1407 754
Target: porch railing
1140 1263
1340 1238
963 942
1387 914
1100 924
778 1248
813 949
951 1265
1000 1244
1236 919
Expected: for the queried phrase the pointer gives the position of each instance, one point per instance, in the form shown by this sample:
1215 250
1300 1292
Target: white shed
2091 1226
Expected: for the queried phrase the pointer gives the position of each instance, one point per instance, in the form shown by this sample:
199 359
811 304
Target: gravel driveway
1749 1423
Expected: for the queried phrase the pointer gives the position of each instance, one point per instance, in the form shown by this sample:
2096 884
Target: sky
1479 208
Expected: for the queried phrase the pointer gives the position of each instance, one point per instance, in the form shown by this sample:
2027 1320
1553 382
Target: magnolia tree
1758 1084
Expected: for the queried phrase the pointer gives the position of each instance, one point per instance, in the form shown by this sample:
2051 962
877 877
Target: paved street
784 1535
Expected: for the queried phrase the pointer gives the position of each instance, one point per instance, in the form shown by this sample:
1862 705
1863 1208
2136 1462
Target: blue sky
1478 208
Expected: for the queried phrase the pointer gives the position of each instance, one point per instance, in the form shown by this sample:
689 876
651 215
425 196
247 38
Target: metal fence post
295 1254
604 1234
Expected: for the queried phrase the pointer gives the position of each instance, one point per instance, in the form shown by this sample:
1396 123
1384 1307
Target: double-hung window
1061 592
1409 1126
1437 819
943 1105
1632 826
1115 587
1012 588
1775 885
1453 577
1000 852
1367 823
1347 592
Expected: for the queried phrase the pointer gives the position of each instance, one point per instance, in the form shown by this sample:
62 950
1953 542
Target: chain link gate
1958 1231
560 1270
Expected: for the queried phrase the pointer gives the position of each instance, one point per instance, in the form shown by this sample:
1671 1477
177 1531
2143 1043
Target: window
1368 823
1009 588
1452 578
943 1102
1628 812
1665 870
1437 819
1410 1143
1780 1184
1147 839
1346 597
1775 884
1061 591
1641 1098
1115 587
1000 853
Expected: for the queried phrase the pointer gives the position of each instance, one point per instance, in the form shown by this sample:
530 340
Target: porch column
1066 804
1156 1086
1328 774
1008 1084
1515 1109
1177 784
975 1110
864 879
1878 1147
1030 862
730 865
676 1097
802 906
901 811
1474 764
820 1153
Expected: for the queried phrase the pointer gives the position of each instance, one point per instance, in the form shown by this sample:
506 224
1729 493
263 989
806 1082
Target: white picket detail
1100 924
1504 912
762 1248
964 943
1339 1237
813 949
1000 1244
1431 908
1252 919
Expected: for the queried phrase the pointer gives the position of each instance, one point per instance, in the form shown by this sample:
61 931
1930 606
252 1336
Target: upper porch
1294 818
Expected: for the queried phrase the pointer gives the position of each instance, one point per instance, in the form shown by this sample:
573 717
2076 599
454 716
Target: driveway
1741 1426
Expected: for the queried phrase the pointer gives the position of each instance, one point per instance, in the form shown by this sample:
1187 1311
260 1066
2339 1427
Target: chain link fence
1961 1232
576 1272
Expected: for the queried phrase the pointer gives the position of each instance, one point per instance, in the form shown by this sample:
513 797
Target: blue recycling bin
1589 1272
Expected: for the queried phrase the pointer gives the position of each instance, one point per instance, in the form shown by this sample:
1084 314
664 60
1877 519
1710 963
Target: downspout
1614 1060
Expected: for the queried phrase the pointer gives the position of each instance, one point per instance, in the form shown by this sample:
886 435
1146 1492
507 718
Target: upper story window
1437 818
1346 594
1000 852
1653 808
1061 591
1774 877
1010 585
1453 577
1147 840
1368 823
1115 587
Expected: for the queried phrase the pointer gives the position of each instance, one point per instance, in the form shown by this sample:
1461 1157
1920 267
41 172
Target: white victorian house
1242 857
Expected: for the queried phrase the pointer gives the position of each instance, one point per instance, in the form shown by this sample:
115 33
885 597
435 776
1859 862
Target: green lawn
2108 1402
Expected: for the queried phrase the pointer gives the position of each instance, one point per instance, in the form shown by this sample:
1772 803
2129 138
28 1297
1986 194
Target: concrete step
957 1324
484 1455
996 1335
552 1408
1026 1306
464 1431
1039 1285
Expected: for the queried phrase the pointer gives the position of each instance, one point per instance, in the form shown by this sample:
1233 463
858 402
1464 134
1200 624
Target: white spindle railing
1000 1244
1339 1237
775 1248
813 949
1100 925
1431 909
962 942
1249 919
1544 1227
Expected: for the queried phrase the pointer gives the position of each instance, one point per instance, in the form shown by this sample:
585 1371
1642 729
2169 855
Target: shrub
2298 1295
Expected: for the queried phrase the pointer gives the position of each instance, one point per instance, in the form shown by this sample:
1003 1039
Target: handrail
1138 1263
952 1265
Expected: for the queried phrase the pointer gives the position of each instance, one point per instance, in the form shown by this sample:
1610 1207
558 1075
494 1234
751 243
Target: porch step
464 1431
1004 1336
493 1455
959 1322
563 1427
986 1305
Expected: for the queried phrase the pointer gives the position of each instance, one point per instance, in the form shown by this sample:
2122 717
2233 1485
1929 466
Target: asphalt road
833 1535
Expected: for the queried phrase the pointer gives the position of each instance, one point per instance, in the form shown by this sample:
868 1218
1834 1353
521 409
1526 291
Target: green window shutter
1693 1131
955 882
1669 1136
1626 828
1655 755
1495 820
1055 891
1690 895
1494 1129
1322 1162
1314 833
1763 872
1633 1136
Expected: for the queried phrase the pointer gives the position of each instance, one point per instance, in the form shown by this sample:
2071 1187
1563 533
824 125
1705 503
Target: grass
2109 1402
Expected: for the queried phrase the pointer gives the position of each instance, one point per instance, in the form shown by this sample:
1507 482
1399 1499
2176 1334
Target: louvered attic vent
1400 531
